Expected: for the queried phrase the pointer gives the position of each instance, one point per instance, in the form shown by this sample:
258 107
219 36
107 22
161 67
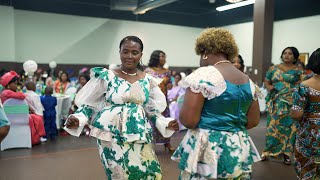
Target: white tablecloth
62 108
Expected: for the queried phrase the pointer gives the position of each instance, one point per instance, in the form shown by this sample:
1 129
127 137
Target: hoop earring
205 57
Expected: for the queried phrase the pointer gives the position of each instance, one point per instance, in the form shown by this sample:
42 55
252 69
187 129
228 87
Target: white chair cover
19 135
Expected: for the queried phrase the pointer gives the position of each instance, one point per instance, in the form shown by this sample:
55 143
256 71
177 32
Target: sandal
286 160
264 158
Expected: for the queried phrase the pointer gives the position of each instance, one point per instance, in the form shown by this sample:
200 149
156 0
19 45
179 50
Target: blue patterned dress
220 146
307 146
118 114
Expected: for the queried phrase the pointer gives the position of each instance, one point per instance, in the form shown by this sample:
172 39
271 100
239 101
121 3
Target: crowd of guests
40 94
131 106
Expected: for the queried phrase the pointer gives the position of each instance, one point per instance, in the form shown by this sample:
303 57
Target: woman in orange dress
62 84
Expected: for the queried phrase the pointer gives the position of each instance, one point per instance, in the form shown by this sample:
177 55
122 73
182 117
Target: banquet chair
19 135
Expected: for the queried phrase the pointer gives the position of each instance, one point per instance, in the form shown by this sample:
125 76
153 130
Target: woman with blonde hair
220 104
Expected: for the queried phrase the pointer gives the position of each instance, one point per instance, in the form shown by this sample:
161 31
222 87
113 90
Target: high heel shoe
286 160
169 147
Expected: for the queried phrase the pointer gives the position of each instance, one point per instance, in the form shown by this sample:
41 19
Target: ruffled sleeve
90 98
206 80
299 98
155 106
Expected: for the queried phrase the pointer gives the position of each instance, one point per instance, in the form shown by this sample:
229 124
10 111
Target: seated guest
9 81
83 79
49 103
33 100
62 84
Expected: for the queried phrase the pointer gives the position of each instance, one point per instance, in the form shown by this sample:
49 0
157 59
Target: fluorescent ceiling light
151 4
235 5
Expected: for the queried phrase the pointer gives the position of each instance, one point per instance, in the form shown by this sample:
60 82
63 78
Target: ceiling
194 13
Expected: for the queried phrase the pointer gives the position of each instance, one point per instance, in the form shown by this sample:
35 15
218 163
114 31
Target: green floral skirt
129 161
211 154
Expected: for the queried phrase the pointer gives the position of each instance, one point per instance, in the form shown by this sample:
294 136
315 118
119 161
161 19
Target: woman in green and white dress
220 104
118 105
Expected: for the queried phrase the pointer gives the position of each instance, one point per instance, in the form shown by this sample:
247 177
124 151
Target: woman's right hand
173 125
72 122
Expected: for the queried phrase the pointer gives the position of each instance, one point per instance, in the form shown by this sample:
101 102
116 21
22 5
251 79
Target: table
62 108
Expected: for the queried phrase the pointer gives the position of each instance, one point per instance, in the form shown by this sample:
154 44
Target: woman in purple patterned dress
175 93
156 69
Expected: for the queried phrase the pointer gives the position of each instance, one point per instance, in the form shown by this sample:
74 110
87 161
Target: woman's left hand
173 125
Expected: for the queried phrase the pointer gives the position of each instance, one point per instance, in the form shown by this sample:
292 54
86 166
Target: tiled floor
77 158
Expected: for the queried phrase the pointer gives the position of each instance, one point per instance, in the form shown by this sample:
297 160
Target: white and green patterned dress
116 111
220 147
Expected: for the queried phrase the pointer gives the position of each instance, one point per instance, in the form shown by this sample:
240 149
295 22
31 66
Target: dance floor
77 158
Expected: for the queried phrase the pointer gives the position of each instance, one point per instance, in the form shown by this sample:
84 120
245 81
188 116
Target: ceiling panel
194 13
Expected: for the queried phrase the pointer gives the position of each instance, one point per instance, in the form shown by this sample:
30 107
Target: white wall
243 34
303 33
44 37
7 40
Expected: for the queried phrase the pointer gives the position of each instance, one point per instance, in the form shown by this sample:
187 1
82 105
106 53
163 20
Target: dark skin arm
191 109
253 115
31 111
4 130
72 122
268 85
296 115
173 125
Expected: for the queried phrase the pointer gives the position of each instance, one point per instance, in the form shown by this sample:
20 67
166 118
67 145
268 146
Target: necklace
129 74
222 61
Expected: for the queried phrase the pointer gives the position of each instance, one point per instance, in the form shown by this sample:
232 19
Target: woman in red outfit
9 81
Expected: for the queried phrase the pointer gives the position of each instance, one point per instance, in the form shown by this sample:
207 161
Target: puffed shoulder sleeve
255 90
90 98
92 93
300 96
206 80
157 100
156 104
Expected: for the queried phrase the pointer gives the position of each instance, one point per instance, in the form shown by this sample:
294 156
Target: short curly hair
216 40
